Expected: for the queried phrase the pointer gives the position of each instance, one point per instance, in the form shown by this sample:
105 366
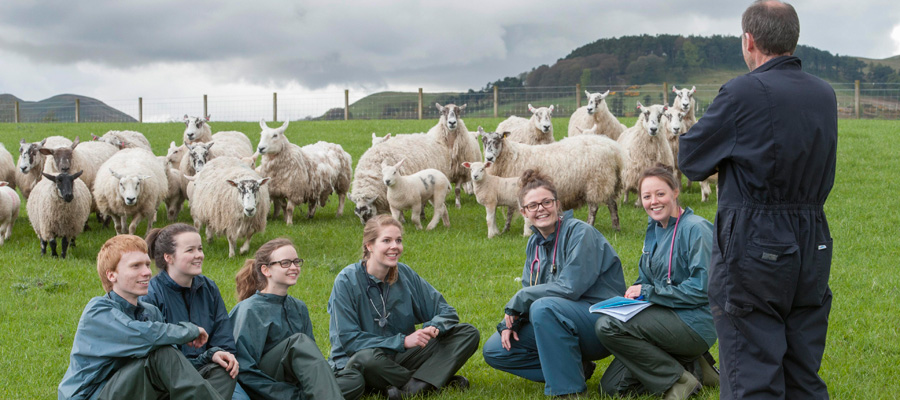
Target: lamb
645 145
31 161
586 169
175 195
307 174
230 199
59 207
196 129
9 210
80 156
596 113
537 130
492 191
125 139
131 183
7 167
226 143
174 154
414 191
444 148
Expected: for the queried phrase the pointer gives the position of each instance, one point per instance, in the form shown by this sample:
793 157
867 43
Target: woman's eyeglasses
546 203
287 263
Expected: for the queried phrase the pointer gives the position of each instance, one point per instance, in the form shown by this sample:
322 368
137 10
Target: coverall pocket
822 269
766 274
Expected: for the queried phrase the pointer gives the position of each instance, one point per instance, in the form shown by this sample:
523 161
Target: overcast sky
120 50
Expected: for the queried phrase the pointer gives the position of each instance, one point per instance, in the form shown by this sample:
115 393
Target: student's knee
164 354
606 327
544 309
365 358
470 334
493 351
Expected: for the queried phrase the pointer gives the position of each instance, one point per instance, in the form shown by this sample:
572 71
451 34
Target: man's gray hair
774 25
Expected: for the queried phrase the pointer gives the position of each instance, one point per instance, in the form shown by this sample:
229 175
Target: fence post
274 106
856 100
665 94
17 112
77 110
577 95
346 104
420 103
496 100
141 109
205 112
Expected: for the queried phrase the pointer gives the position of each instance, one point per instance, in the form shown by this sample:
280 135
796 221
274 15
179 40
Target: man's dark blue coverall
772 136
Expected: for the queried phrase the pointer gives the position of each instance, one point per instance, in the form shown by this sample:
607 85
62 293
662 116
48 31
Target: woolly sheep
125 139
307 174
674 128
9 210
406 192
230 199
595 113
586 169
131 183
196 129
59 207
7 167
536 130
174 154
31 161
80 156
645 145
462 144
492 191
226 143
175 195
684 102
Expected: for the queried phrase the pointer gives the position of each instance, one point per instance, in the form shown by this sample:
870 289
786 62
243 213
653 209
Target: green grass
41 298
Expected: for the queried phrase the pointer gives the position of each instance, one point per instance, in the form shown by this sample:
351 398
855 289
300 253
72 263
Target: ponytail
250 278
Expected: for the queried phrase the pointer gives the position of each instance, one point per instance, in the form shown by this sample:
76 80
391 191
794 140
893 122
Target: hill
60 108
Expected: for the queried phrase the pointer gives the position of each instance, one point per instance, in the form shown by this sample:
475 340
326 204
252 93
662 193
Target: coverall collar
789 62
170 283
541 240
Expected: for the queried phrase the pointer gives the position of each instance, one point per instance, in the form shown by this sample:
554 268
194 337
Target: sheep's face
493 144
174 154
271 141
651 117
476 170
193 128
450 114
130 188
199 153
673 120
594 101
62 157
683 96
65 185
248 190
29 155
365 208
541 118
389 174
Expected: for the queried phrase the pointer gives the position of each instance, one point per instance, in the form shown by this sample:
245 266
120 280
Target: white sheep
174 154
31 161
230 199
586 169
226 143
536 130
132 182
674 128
175 196
463 146
59 207
196 129
645 145
492 191
308 174
376 139
405 192
80 156
595 113
125 139
9 210
684 102
7 167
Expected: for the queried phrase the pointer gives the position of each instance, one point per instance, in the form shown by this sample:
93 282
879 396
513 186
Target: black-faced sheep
596 113
536 130
413 192
645 145
58 207
132 182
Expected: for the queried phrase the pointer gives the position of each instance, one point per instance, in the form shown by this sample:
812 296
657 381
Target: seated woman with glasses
375 306
274 335
547 333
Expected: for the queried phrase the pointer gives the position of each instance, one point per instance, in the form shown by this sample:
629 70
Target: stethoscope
672 247
382 318
532 280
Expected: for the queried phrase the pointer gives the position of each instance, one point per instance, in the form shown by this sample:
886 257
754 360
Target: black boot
415 387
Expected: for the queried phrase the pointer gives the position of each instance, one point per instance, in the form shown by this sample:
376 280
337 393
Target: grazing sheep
131 183
377 140
595 113
196 129
492 191
444 148
31 161
230 199
586 169
80 156
125 140
227 143
59 207
406 192
9 210
307 174
645 145
537 130
7 167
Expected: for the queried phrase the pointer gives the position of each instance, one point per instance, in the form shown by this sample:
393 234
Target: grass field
41 298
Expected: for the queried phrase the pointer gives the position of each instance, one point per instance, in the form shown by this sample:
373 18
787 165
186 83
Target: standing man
772 136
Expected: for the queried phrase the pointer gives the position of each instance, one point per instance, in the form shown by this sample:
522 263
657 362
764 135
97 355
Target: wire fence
855 100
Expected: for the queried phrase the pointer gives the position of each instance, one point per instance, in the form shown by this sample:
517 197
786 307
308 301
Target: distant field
41 298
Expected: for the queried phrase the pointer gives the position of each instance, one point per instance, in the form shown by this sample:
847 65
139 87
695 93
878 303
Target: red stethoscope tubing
531 279
672 247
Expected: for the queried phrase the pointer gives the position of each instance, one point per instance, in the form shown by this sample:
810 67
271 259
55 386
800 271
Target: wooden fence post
420 103
205 109
140 109
496 101
665 94
346 104
17 112
274 106
856 100
77 110
577 95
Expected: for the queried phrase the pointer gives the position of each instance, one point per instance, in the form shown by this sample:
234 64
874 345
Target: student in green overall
375 306
123 348
182 293
653 347
274 335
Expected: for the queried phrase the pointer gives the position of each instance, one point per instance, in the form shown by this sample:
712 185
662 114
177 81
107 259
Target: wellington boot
709 371
685 387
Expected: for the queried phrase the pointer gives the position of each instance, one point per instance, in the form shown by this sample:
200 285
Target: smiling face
131 277
385 251
278 279
187 261
659 200
543 218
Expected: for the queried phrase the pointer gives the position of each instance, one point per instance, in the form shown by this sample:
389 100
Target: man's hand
418 338
200 340
504 338
510 320
227 361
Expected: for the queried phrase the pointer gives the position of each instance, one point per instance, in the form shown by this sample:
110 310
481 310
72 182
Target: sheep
596 113
230 199
125 139
131 183
59 207
227 143
414 191
307 174
674 128
196 129
684 102
175 195
80 156
174 154
31 161
586 169
537 130
9 210
7 167
492 191
645 145
444 147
